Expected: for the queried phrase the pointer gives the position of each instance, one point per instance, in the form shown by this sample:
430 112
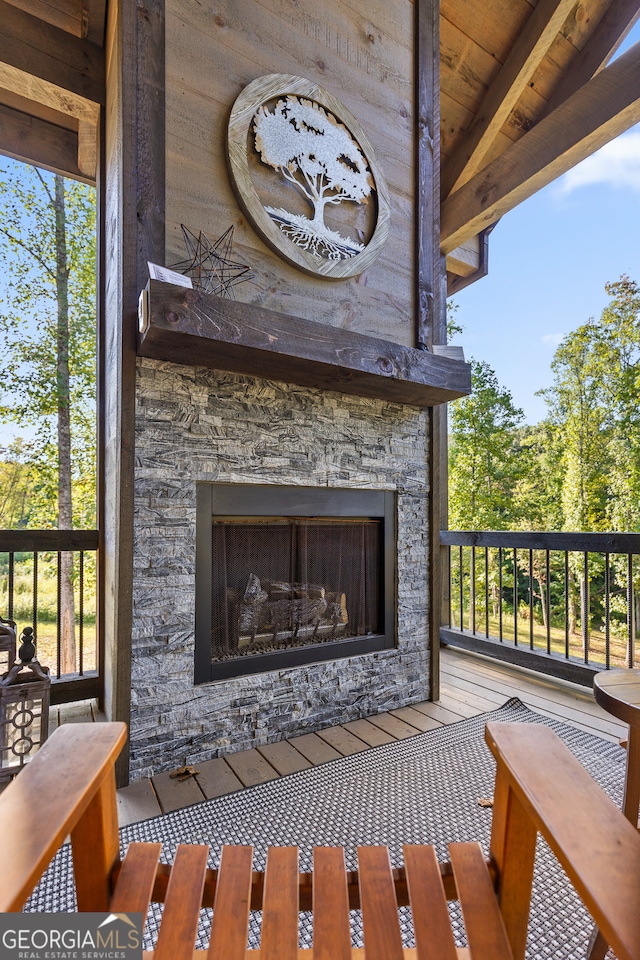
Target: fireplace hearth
291 575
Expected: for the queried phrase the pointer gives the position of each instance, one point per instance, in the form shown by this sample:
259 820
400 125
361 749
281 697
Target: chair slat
331 933
381 927
181 912
279 939
431 924
231 907
482 918
136 878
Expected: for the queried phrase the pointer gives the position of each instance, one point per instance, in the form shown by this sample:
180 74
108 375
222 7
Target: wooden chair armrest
596 845
47 801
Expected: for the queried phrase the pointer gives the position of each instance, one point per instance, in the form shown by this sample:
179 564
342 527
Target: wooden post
431 298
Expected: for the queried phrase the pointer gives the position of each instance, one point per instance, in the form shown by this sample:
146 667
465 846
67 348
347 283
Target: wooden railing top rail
534 540
23 541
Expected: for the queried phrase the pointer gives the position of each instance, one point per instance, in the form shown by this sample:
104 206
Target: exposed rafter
533 43
616 22
31 47
38 141
602 109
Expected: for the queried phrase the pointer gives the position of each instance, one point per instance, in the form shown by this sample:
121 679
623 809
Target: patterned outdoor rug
421 790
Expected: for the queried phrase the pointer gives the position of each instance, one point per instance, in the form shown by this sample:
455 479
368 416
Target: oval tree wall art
292 143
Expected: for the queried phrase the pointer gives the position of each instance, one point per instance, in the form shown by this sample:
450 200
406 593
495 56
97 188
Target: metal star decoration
209 264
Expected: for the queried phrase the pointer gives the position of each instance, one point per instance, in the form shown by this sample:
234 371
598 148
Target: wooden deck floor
470 684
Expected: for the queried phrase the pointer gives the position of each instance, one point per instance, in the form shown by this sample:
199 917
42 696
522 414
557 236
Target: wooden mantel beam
602 109
201 329
530 47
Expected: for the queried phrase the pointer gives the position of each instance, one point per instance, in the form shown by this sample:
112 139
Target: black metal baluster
500 561
531 599
548 599
630 612
515 596
449 595
607 612
59 620
585 608
566 604
486 591
461 567
11 584
472 590
35 596
81 614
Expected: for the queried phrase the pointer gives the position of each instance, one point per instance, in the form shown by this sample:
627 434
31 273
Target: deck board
314 748
470 684
365 730
216 778
251 767
284 757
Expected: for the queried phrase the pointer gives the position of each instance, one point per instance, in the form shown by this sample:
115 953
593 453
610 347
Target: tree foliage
48 360
579 469
48 354
484 459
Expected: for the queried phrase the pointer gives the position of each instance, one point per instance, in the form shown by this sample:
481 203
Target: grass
597 638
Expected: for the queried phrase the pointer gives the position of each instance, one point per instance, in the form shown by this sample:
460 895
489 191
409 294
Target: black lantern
25 693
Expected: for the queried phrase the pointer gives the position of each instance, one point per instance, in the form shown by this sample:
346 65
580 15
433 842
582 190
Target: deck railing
566 604
48 581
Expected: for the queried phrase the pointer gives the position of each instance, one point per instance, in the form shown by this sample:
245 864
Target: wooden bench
540 786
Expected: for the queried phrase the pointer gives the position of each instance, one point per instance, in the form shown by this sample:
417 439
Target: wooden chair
539 786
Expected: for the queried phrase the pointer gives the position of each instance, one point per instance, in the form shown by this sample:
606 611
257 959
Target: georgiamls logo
71 936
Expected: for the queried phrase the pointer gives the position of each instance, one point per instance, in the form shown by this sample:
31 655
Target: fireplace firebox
287 575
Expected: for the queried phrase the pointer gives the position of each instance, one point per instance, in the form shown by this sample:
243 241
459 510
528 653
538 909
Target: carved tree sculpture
317 154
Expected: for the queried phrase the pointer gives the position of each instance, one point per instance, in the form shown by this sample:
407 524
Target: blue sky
549 260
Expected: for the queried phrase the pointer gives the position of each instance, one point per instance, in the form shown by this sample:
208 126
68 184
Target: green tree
617 357
47 350
484 457
15 487
577 410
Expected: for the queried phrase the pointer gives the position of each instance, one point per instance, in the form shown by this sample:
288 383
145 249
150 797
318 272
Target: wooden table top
618 692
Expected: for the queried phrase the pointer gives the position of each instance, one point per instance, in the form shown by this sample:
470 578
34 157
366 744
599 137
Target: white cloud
555 339
616 164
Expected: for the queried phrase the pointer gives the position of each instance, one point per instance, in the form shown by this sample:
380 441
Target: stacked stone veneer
197 424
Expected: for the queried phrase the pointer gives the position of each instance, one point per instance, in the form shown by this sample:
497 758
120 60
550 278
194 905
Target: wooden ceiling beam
602 109
33 140
29 47
465 259
617 20
531 45
94 16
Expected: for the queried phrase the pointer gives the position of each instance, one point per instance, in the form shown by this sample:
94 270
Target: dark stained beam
29 47
616 22
529 48
196 328
602 109
431 300
32 140
94 16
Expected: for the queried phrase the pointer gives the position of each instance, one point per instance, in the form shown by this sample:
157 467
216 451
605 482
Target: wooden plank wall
363 54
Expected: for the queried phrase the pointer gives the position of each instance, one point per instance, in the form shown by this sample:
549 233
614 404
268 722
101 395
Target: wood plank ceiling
526 93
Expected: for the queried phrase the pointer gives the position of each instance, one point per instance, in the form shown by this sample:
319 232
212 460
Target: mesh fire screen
284 583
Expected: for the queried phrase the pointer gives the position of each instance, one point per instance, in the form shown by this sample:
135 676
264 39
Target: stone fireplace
203 437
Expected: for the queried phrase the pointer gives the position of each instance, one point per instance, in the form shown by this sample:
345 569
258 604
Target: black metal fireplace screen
291 575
